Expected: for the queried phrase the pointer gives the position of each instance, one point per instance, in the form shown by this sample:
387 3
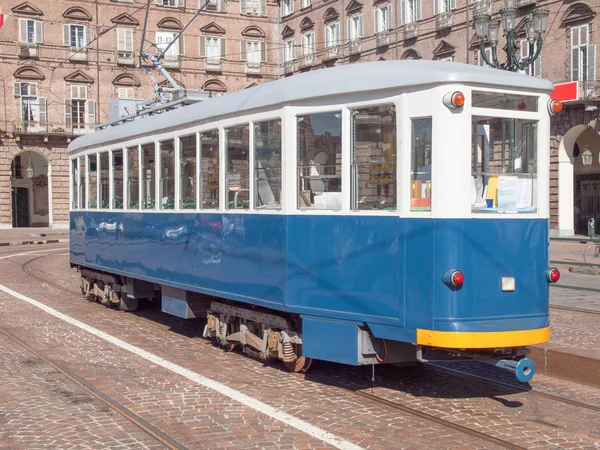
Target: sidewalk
23 236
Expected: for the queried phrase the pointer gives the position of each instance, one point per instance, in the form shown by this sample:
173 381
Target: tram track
150 316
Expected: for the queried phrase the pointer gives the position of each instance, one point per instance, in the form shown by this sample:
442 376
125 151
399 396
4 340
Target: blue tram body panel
385 272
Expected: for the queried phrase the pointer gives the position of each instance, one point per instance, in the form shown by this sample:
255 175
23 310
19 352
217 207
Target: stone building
72 59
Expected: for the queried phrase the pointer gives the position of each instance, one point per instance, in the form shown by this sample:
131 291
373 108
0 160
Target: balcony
523 3
331 53
411 30
382 39
213 65
78 54
355 47
29 50
171 62
307 61
589 90
483 7
37 128
443 20
253 68
288 67
125 58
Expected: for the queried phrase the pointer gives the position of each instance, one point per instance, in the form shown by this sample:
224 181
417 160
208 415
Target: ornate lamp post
487 31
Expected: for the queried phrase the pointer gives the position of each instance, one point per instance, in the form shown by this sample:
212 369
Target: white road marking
244 399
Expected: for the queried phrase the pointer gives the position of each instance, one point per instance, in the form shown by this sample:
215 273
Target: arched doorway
30 190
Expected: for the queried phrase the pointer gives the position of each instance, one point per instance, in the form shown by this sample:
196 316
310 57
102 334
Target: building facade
62 66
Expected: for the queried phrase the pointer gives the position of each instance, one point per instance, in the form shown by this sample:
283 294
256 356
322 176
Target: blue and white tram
355 214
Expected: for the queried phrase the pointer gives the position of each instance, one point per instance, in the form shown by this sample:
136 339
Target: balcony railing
171 61
589 90
213 64
29 50
32 127
382 39
288 67
125 58
332 53
355 47
443 20
483 7
411 30
253 68
523 3
307 60
78 54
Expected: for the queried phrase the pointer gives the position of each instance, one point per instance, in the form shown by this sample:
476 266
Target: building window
163 38
374 158
76 36
237 167
30 31
488 53
308 44
209 169
253 7
355 28
583 55
171 3
126 93
267 164
320 161
16 168
213 48
80 113
212 5
289 50
33 107
411 11
287 7
443 6
305 3
125 46
332 35
383 18
534 69
420 163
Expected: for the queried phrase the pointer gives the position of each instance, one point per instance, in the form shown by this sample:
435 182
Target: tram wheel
301 365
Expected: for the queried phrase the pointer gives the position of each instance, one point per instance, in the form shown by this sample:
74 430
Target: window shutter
120 39
33 89
537 67
293 49
328 36
129 40
575 64
361 27
22 30
263 7
202 46
243 7
263 51
159 2
90 113
223 43
452 4
402 12
87 35
66 35
436 7
179 44
42 108
418 12
390 23
39 32
17 89
377 20
336 33
349 33
222 6
68 114
243 46
591 62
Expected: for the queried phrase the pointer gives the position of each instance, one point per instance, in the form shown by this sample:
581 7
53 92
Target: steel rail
148 428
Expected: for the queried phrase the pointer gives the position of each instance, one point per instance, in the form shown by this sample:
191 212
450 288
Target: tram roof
334 81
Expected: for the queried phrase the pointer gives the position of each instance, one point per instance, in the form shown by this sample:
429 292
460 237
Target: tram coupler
524 369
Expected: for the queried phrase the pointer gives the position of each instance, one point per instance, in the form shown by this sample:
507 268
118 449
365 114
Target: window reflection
267 164
117 179
209 169
133 177
92 182
420 159
187 172
148 168
238 167
104 181
167 174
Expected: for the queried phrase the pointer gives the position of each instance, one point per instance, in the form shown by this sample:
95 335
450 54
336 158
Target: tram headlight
454 100
554 107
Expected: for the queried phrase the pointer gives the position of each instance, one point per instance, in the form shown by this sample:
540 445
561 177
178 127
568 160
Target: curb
566 364
34 241
585 270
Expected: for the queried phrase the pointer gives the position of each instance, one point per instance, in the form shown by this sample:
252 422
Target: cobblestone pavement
199 417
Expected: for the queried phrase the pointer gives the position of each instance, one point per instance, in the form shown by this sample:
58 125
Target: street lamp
487 32
587 157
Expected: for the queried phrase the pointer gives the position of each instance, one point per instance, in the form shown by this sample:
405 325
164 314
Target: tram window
92 182
209 169
117 179
498 100
104 181
74 184
167 175
187 177
267 164
320 161
133 177
374 158
503 165
238 167
81 170
148 170
420 163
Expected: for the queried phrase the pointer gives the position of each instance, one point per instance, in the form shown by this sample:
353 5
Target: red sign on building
566 92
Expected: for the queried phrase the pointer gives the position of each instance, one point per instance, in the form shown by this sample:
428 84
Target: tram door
587 201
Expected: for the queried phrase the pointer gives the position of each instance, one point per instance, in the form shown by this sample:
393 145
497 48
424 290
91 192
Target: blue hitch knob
524 369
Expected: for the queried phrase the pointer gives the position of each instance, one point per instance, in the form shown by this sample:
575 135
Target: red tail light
458 279
552 275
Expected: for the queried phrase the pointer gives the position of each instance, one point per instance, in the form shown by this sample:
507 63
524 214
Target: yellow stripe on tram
493 339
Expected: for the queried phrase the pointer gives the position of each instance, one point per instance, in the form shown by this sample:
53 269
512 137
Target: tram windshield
504 158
